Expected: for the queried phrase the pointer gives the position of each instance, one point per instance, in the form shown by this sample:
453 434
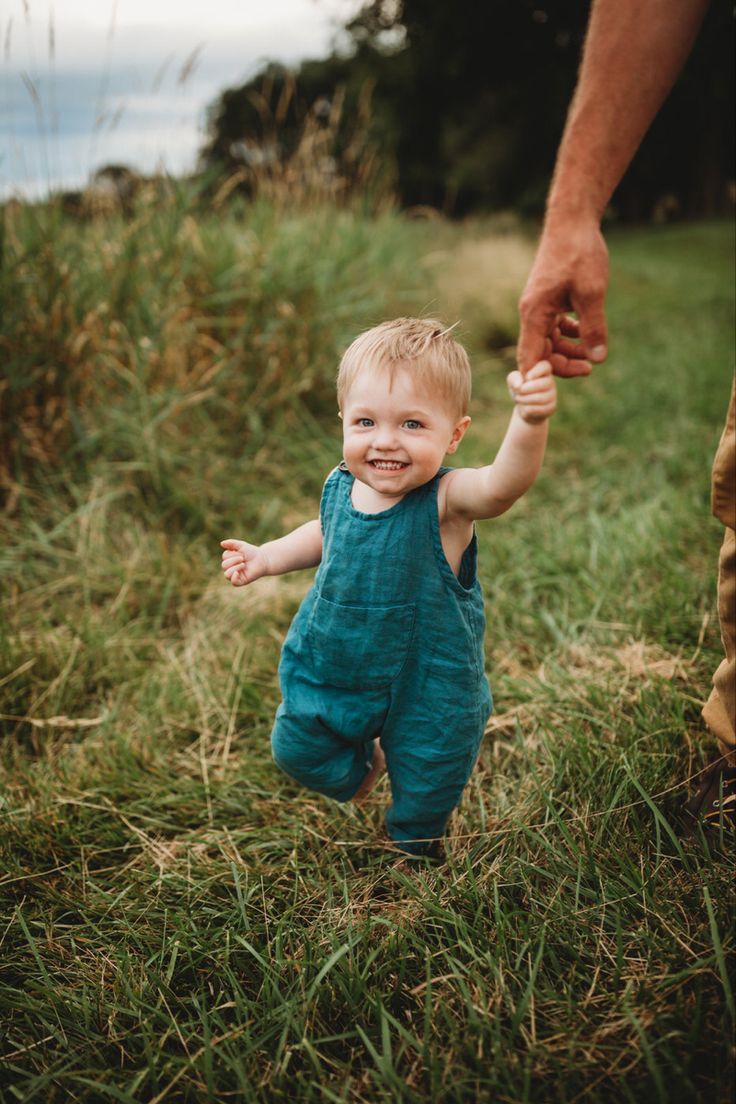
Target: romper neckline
457 583
380 515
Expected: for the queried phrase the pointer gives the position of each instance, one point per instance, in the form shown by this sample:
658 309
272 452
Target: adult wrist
574 211
566 215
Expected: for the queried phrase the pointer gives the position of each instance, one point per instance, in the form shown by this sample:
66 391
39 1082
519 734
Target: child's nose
384 437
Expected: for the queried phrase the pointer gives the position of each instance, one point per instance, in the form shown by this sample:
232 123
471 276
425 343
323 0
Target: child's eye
412 423
365 422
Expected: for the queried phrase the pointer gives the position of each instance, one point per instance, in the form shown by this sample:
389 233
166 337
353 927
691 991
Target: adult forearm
634 50
294 551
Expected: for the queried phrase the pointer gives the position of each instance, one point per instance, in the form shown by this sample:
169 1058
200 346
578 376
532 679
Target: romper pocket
359 647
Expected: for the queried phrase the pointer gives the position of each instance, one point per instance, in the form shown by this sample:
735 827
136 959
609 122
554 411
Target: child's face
395 434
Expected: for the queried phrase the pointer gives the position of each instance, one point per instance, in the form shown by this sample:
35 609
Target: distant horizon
61 147
123 94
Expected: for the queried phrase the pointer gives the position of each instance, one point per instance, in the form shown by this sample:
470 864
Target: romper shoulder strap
425 497
329 495
433 486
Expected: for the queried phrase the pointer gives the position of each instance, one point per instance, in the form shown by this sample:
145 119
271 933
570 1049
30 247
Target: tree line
461 106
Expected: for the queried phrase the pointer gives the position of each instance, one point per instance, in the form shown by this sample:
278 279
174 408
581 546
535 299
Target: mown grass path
178 922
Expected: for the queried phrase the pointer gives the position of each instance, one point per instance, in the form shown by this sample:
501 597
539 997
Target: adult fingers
568 356
592 320
531 348
572 349
568 367
537 322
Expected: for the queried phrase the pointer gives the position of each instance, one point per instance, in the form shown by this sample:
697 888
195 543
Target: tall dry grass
332 161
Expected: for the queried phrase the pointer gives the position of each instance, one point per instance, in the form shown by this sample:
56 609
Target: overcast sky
86 82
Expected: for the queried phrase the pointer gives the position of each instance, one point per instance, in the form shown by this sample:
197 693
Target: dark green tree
468 102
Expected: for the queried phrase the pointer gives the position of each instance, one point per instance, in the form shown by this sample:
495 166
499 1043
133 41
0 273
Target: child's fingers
536 389
233 545
540 398
539 407
540 369
234 565
536 386
514 380
230 558
537 414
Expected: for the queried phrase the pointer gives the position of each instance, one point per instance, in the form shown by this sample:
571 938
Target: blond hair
421 345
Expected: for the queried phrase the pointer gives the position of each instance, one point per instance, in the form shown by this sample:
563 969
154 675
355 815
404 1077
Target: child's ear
458 433
339 414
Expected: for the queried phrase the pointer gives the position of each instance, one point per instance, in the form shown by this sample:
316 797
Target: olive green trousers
720 709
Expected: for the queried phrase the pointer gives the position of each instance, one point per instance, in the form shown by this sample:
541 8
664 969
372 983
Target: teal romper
387 643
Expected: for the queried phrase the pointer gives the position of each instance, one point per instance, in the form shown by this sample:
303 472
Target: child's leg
323 738
429 764
378 763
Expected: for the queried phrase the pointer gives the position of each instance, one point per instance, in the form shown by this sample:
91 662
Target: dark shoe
713 805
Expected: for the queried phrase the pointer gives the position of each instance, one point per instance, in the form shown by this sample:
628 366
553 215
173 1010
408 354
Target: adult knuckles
538 303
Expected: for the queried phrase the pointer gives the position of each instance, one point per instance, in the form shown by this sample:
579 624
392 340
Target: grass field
178 921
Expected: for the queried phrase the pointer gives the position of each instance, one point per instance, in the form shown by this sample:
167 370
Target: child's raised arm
243 563
475 493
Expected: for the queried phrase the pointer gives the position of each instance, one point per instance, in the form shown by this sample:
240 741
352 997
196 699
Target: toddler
383 663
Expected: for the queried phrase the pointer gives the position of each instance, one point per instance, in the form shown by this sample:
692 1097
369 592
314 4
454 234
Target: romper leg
317 758
323 737
429 763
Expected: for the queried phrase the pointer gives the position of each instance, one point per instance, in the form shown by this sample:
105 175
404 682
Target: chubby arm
476 493
634 50
243 563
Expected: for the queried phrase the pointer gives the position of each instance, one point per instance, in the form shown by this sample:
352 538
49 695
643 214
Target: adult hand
570 273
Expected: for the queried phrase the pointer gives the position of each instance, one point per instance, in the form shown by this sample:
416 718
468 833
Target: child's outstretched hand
535 394
243 563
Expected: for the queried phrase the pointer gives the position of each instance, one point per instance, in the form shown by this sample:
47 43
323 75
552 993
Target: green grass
178 921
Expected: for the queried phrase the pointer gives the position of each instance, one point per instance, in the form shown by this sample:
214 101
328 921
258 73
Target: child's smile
388 465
